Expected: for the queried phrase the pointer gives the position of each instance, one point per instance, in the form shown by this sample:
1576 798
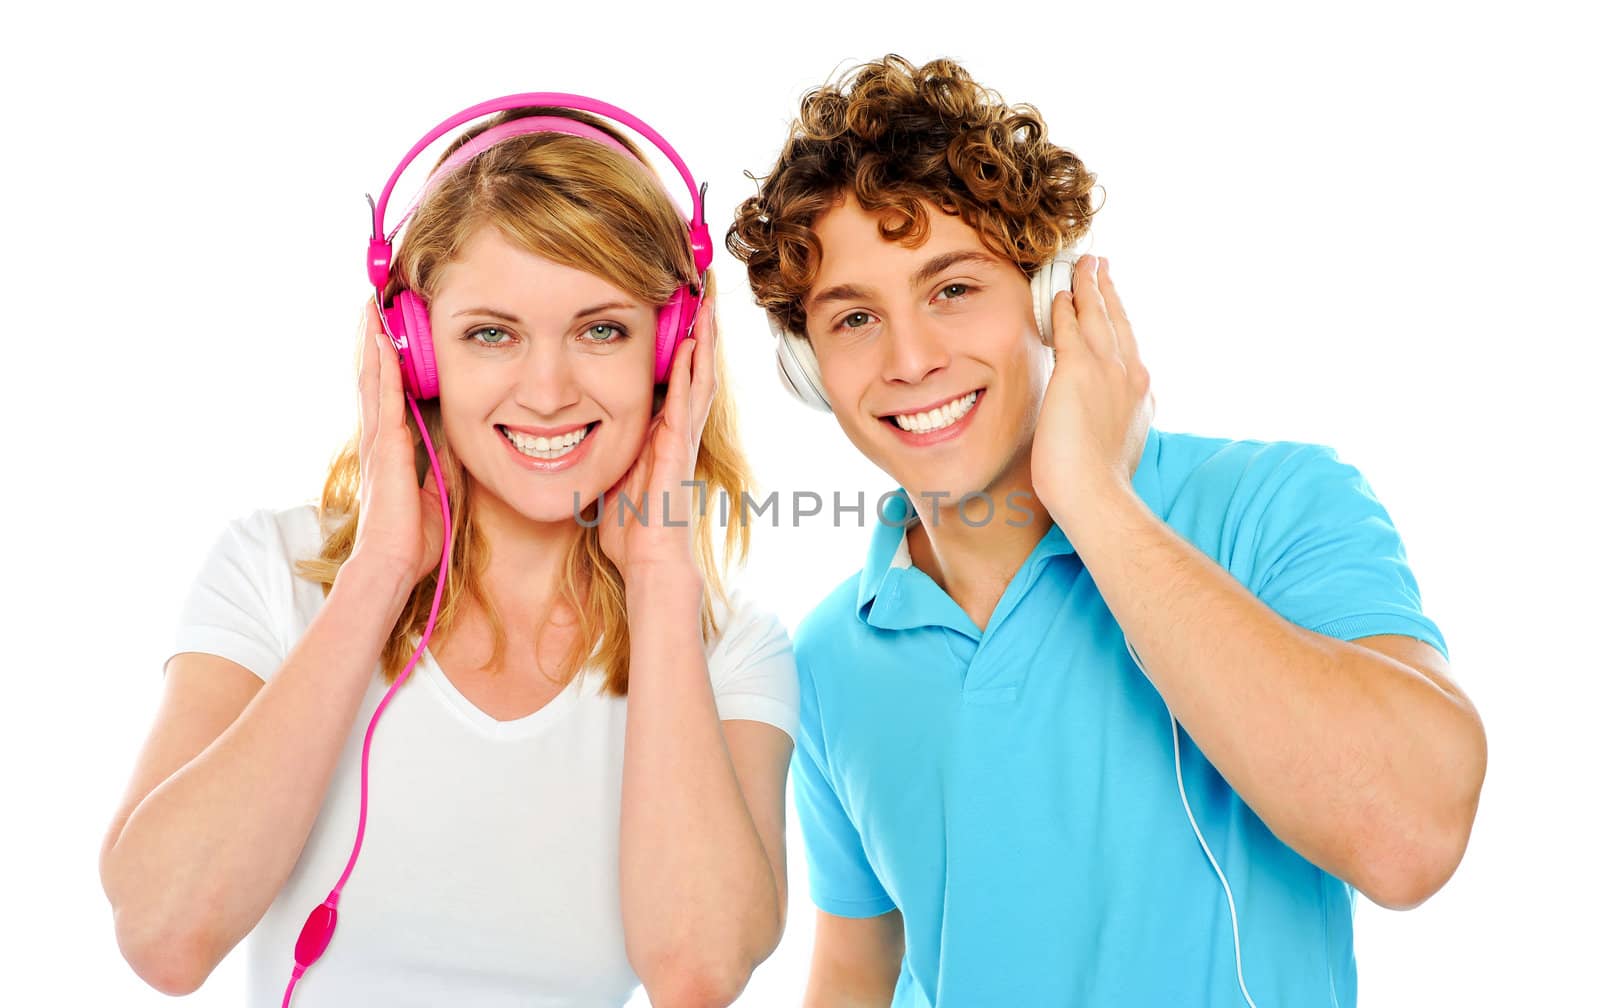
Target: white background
1365 225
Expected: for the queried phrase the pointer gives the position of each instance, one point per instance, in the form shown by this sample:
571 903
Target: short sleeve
1327 556
235 605
842 881
751 666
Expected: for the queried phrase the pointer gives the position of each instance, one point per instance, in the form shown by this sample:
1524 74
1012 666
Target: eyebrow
930 269
608 306
939 263
491 312
507 317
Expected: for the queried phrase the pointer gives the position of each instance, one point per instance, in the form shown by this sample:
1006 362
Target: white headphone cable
1227 890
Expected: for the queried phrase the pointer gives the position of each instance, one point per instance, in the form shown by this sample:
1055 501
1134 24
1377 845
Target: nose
546 384
914 352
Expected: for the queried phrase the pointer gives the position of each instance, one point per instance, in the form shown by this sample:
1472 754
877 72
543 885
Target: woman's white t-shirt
488 877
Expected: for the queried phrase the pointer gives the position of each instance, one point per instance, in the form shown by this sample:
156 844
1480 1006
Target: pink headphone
406 321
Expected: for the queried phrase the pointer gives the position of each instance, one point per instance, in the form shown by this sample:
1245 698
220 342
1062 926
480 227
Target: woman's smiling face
545 376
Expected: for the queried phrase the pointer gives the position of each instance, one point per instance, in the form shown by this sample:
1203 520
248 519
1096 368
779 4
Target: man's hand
1097 408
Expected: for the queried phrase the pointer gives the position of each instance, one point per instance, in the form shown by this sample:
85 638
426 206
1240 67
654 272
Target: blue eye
597 333
481 336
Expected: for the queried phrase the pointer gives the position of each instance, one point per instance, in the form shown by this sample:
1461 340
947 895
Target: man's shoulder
1194 466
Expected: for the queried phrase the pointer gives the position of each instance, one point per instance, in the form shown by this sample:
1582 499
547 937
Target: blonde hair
578 203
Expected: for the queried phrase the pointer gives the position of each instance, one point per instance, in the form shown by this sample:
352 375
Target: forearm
1362 764
202 856
700 900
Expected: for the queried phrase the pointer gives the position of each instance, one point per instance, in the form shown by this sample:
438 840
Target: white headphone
797 362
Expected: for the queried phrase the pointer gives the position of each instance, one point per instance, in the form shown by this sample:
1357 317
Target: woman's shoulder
274 534
739 611
748 631
751 662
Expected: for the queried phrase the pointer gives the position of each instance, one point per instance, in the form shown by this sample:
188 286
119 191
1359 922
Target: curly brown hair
895 135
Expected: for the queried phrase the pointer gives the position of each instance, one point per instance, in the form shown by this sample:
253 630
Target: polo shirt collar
894 595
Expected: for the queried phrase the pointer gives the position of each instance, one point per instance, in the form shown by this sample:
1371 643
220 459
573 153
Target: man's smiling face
930 355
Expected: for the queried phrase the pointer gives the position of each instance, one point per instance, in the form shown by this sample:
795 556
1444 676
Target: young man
986 772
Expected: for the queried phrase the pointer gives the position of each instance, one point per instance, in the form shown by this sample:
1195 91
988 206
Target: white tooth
541 444
946 417
902 422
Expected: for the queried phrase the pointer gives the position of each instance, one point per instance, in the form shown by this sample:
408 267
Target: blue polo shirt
1012 791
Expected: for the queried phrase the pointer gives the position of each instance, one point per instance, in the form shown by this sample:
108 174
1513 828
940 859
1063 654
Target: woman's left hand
654 531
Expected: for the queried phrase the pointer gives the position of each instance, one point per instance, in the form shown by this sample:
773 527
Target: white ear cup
1052 277
797 368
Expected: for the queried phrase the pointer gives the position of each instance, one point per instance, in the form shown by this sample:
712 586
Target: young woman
578 785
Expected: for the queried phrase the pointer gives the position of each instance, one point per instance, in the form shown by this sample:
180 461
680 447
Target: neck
526 559
975 562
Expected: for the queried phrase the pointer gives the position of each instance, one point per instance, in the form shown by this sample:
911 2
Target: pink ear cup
394 321
417 364
672 327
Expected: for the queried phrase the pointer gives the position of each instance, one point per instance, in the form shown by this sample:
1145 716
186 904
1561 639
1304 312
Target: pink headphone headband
528 124
379 248
521 126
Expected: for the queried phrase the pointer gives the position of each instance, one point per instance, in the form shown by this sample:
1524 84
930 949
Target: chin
542 498
952 474
545 507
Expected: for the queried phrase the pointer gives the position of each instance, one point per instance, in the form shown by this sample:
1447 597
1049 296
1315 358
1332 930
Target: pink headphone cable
318 928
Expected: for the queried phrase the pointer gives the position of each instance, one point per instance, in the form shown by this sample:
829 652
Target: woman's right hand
399 528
